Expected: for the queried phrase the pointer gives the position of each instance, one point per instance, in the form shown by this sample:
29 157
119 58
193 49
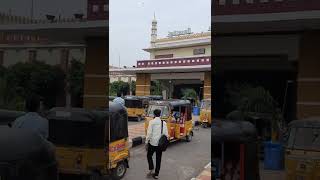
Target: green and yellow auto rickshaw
235 150
177 114
136 107
302 154
92 143
205 113
25 155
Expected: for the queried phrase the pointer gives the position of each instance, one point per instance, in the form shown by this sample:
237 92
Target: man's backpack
163 141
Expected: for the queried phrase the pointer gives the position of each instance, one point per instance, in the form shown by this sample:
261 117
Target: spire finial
154 15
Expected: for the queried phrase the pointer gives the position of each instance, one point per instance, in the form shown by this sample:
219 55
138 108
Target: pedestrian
32 119
119 99
152 139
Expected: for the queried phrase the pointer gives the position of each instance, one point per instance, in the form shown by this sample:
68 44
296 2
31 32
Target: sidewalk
271 174
205 174
136 133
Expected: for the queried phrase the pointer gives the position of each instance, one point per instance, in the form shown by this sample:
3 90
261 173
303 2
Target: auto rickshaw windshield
133 103
304 138
164 110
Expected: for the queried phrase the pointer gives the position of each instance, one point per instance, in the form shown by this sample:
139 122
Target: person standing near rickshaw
119 99
156 129
32 119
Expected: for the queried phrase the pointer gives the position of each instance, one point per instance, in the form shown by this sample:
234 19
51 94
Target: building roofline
189 36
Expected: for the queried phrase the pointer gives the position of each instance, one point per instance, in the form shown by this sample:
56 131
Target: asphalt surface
182 160
132 122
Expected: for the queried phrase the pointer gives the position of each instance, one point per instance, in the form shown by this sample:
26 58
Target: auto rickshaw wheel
189 137
204 125
119 171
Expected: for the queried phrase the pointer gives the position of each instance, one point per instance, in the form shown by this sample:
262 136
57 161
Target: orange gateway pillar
207 85
143 83
308 97
96 73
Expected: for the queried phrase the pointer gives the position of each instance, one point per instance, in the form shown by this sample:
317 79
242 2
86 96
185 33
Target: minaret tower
154 31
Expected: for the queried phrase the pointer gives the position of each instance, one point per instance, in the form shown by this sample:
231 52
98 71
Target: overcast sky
130 24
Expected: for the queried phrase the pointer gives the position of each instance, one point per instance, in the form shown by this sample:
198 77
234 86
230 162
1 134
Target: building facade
181 60
90 33
115 74
280 41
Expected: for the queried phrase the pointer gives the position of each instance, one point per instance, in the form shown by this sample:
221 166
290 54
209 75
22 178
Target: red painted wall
100 14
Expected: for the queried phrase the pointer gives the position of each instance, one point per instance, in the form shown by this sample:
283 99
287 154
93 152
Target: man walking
152 139
32 120
119 99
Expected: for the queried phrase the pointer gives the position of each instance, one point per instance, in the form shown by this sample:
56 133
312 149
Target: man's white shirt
119 100
154 131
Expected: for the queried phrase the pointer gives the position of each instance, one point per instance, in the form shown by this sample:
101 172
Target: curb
137 141
203 172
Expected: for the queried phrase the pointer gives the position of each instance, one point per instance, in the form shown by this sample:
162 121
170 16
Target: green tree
8 97
36 78
252 101
156 88
133 86
76 81
118 86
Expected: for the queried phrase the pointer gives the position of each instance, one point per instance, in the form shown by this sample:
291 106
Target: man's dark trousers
151 150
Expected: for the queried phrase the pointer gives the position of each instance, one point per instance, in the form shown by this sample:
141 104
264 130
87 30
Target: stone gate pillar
143 83
96 73
207 85
308 96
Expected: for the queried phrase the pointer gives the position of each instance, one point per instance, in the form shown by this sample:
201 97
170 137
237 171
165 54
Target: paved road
181 161
134 122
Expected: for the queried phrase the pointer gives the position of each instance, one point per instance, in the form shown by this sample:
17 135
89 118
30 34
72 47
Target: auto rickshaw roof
136 98
7 116
233 131
171 102
307 122
112 97
84 115
22 144
155 97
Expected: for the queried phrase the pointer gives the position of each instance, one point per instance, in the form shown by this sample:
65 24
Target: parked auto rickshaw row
93 143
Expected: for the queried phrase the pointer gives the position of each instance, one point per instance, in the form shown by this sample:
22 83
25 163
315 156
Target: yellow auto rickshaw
91 143
177 114
302 154
25 155
205 113
235 152
136 107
